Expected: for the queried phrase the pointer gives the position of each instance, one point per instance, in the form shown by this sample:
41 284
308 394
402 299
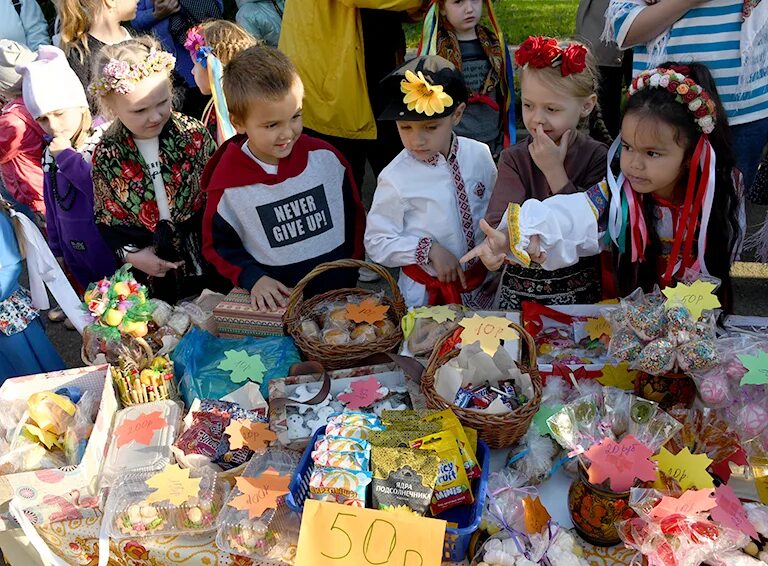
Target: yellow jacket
324 40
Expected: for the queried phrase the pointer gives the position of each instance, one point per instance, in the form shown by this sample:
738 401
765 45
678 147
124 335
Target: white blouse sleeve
386 241
568 227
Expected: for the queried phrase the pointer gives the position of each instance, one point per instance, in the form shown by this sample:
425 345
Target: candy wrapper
403 477
676 531
704 431
339 486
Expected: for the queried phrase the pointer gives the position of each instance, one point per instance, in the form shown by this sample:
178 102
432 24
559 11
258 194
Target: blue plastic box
467 517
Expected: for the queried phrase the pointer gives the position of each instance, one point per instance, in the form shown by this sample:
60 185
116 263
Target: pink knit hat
49 84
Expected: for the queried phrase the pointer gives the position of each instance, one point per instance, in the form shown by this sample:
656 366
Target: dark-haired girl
675 206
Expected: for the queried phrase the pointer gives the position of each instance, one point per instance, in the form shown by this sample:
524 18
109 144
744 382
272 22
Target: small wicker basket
498 431
339 356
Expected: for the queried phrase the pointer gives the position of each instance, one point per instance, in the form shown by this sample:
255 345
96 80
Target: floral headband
686 92
121 77
423 96
542 52
196 45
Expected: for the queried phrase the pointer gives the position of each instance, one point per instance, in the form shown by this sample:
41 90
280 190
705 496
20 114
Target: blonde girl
211 45
87 26
56 99
147 169
558 83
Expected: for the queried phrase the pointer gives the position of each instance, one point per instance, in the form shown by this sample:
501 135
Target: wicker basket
340 356
498 431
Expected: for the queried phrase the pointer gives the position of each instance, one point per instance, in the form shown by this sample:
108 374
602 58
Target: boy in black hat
429 200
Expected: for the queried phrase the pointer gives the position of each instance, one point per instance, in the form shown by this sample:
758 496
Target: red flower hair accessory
541 52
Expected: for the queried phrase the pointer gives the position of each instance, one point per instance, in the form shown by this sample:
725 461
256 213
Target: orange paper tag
245 433
536 515
260 494
350 536
369 311
140 430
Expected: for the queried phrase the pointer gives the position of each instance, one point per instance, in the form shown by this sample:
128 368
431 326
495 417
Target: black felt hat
414 81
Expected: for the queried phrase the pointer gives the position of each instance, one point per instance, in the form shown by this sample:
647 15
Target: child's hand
58 145
534 250
269 294
549 157
446 265
147 261
493 250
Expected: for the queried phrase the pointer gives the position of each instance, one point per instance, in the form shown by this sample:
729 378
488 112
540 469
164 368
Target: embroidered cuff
422 251
513 227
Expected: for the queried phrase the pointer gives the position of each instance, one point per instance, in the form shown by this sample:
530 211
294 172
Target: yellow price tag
351 536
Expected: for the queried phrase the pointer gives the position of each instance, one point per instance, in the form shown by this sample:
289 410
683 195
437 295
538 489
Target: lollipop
657 357
648 321
697 355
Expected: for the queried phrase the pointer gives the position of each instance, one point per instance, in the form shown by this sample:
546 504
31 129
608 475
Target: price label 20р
350 536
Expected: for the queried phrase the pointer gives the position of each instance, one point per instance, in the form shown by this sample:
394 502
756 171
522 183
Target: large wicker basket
339 356
498 431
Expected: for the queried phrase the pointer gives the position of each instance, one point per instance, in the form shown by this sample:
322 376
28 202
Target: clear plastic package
130 516
274 535
142 439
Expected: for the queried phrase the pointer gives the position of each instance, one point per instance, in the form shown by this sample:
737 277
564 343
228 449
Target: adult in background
23 21
590 22
328 42
729 36
168 21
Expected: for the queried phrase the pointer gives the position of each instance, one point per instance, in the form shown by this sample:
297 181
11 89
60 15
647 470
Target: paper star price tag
689 470
369 310
140 430
540 418
536 515
621 462
173 485
243 367
488 330
757 369
691 502
598 327
248 434
439 314
697 297
731 513
364 392
619 376
259 494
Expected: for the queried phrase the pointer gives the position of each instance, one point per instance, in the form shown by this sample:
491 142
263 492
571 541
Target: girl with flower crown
673 210
558 84
147 169
211 45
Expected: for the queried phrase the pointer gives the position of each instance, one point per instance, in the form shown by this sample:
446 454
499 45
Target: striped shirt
708 34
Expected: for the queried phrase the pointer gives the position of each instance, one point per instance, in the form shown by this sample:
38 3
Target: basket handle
297 295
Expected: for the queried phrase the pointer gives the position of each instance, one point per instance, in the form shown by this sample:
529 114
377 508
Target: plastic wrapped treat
275 532
130 515
142 439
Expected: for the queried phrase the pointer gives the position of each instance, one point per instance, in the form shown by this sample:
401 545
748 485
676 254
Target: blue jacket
145 21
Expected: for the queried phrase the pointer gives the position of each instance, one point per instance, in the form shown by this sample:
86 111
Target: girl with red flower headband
146 171
558 83
673 211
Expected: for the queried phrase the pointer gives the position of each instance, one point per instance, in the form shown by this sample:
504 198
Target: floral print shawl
123 190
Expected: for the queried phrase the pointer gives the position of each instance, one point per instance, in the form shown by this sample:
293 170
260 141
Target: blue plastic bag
197 357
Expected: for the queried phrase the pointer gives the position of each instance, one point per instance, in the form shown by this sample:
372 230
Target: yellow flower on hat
422 96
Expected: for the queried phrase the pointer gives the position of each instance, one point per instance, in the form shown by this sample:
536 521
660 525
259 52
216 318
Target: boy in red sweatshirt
279 202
